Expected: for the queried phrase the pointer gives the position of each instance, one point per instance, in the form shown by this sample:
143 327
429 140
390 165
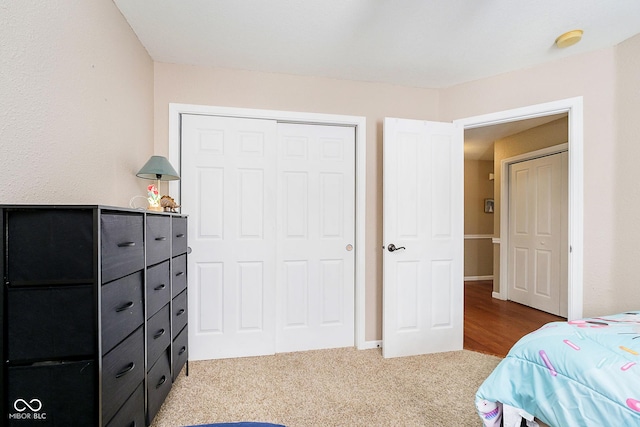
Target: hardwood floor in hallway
492 326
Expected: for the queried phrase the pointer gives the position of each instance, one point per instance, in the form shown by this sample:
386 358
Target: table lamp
158 168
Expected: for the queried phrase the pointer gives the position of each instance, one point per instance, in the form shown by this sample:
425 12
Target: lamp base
156 208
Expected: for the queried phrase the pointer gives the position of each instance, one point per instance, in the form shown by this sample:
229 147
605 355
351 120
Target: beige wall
622 291
478 259
229 88
76 103
477 187
478 253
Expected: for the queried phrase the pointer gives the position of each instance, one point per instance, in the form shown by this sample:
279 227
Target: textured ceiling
419 43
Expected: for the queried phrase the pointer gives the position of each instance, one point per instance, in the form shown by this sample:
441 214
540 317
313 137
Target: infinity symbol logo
21 405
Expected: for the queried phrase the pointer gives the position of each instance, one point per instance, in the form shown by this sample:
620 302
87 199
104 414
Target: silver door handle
393 248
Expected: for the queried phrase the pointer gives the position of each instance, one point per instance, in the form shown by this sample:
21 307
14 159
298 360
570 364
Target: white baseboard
477 278
368 345
497 295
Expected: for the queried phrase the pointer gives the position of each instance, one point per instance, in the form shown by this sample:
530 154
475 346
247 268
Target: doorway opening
572 108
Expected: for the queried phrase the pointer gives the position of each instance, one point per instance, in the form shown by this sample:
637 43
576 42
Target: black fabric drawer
179 272
180 352
158 334
122 371
159 385
51 323
179 236
132 412
158 238
50 246
158 287
122 245
179 318
122 309
42 394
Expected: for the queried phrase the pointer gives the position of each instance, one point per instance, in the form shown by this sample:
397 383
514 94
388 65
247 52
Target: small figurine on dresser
168 204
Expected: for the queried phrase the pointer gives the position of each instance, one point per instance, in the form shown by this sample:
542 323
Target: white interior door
537 267
316 232
423 218
229 190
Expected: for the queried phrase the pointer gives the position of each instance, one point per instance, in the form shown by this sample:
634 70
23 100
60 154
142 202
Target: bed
576 373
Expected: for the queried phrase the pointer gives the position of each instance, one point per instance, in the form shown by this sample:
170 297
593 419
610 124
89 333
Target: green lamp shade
159 168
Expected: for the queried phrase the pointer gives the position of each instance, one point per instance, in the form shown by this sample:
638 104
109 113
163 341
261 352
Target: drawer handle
161 239
126 370
126 244
182 350
179 236
124 307
162 381
180 312
159 334
160 287
179 273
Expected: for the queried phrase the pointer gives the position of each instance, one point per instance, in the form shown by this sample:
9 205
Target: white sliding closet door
271 210
316 233
228 190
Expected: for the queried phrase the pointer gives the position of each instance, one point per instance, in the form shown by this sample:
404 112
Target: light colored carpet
338 387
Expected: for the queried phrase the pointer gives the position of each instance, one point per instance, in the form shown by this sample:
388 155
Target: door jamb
358 122
574 108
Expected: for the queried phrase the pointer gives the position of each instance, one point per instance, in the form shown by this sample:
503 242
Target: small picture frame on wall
488 205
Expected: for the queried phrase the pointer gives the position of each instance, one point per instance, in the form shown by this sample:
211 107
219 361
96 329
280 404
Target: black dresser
94 314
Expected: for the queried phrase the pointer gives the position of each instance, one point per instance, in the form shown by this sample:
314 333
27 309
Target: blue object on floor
245 424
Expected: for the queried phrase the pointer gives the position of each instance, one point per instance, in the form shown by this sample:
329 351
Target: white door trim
176 110
574 108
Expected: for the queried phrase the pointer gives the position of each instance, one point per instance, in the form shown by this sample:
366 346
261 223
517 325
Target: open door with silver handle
422 207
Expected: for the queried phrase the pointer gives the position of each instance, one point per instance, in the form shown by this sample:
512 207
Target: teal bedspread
577 373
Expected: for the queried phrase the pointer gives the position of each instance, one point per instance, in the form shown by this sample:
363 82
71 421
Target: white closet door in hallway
537 268
262 275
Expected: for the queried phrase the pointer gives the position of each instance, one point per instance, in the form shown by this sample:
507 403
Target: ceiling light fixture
569 38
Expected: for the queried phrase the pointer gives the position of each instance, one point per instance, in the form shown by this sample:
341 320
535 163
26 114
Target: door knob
393 248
